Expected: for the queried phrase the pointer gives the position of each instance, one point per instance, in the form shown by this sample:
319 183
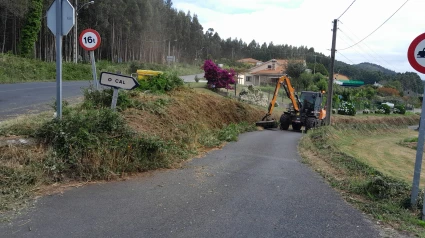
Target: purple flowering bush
218 77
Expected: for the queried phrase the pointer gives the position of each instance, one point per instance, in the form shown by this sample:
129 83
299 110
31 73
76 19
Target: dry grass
189 113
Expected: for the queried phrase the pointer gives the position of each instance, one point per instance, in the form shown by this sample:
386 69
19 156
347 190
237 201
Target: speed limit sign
89 39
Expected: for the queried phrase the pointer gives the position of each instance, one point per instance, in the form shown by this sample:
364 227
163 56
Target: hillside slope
189 114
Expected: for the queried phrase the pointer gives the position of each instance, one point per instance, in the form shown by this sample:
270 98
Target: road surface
256 187
27 98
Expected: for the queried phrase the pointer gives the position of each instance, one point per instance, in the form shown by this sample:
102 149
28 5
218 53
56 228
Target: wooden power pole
331 75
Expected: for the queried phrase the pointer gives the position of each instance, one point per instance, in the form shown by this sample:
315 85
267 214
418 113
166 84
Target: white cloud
309 23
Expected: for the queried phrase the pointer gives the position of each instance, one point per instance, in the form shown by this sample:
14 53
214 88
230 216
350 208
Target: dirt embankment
189 111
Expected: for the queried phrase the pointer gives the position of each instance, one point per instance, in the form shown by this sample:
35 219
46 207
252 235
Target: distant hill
370 73
374 67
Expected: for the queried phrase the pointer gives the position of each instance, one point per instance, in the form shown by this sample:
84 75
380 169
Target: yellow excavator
305 110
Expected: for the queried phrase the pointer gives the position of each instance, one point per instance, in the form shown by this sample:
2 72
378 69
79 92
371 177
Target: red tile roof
249 60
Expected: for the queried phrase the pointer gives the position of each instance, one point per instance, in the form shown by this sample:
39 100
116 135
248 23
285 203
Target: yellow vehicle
143 74
306 110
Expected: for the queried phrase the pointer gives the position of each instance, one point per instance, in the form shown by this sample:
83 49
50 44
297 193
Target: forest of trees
145 30
130 30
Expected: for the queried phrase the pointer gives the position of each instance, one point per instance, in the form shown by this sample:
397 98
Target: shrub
347 108
96 99
217 77
97 144
400 109
385 91
383 109
161 83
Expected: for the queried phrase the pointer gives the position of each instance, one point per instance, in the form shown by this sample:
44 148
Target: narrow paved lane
256 187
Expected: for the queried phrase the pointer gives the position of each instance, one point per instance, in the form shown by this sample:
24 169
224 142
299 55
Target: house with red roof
267 73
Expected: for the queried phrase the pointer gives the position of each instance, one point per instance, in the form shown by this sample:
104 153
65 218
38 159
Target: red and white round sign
89 39
416 53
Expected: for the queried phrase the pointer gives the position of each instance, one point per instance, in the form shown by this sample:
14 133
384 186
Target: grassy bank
365 159
15 69
92 143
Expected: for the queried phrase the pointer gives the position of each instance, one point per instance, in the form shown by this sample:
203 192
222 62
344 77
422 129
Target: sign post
60 20
117 81
90 40
416 57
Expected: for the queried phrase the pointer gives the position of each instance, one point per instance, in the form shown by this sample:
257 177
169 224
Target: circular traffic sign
89 39
416 53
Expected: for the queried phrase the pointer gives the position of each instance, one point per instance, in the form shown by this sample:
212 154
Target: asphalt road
28 98
256 187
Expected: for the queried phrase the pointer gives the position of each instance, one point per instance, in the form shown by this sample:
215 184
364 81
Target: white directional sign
90 39
68 17
118 81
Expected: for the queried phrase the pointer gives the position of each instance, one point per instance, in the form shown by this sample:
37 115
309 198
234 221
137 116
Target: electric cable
346 10
376 28
345 57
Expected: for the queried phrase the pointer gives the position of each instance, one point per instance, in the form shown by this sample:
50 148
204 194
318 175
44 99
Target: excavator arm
290 92
267 122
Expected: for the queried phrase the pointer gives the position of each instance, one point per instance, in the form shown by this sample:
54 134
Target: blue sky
309 23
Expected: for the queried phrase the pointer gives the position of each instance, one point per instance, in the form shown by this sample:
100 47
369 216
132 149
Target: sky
309 23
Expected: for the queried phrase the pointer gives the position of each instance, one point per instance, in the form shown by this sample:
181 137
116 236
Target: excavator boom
290 92
268 122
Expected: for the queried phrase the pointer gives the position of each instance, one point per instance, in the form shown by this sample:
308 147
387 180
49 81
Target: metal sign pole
59 59
114 99
418 162
93 67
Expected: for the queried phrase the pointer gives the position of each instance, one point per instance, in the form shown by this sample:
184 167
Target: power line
370 50
366 52
378 27
346 10
345 57
361 53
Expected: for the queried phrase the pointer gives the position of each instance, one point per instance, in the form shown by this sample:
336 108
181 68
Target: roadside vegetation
14 69
155 127
370 160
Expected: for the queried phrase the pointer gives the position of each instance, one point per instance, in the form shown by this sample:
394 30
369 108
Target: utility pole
331 75
314 70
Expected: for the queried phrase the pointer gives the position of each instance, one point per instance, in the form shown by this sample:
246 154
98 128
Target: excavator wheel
285 121
311 123
296 126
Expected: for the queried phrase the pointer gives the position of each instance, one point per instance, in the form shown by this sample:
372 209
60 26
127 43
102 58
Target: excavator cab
311 102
